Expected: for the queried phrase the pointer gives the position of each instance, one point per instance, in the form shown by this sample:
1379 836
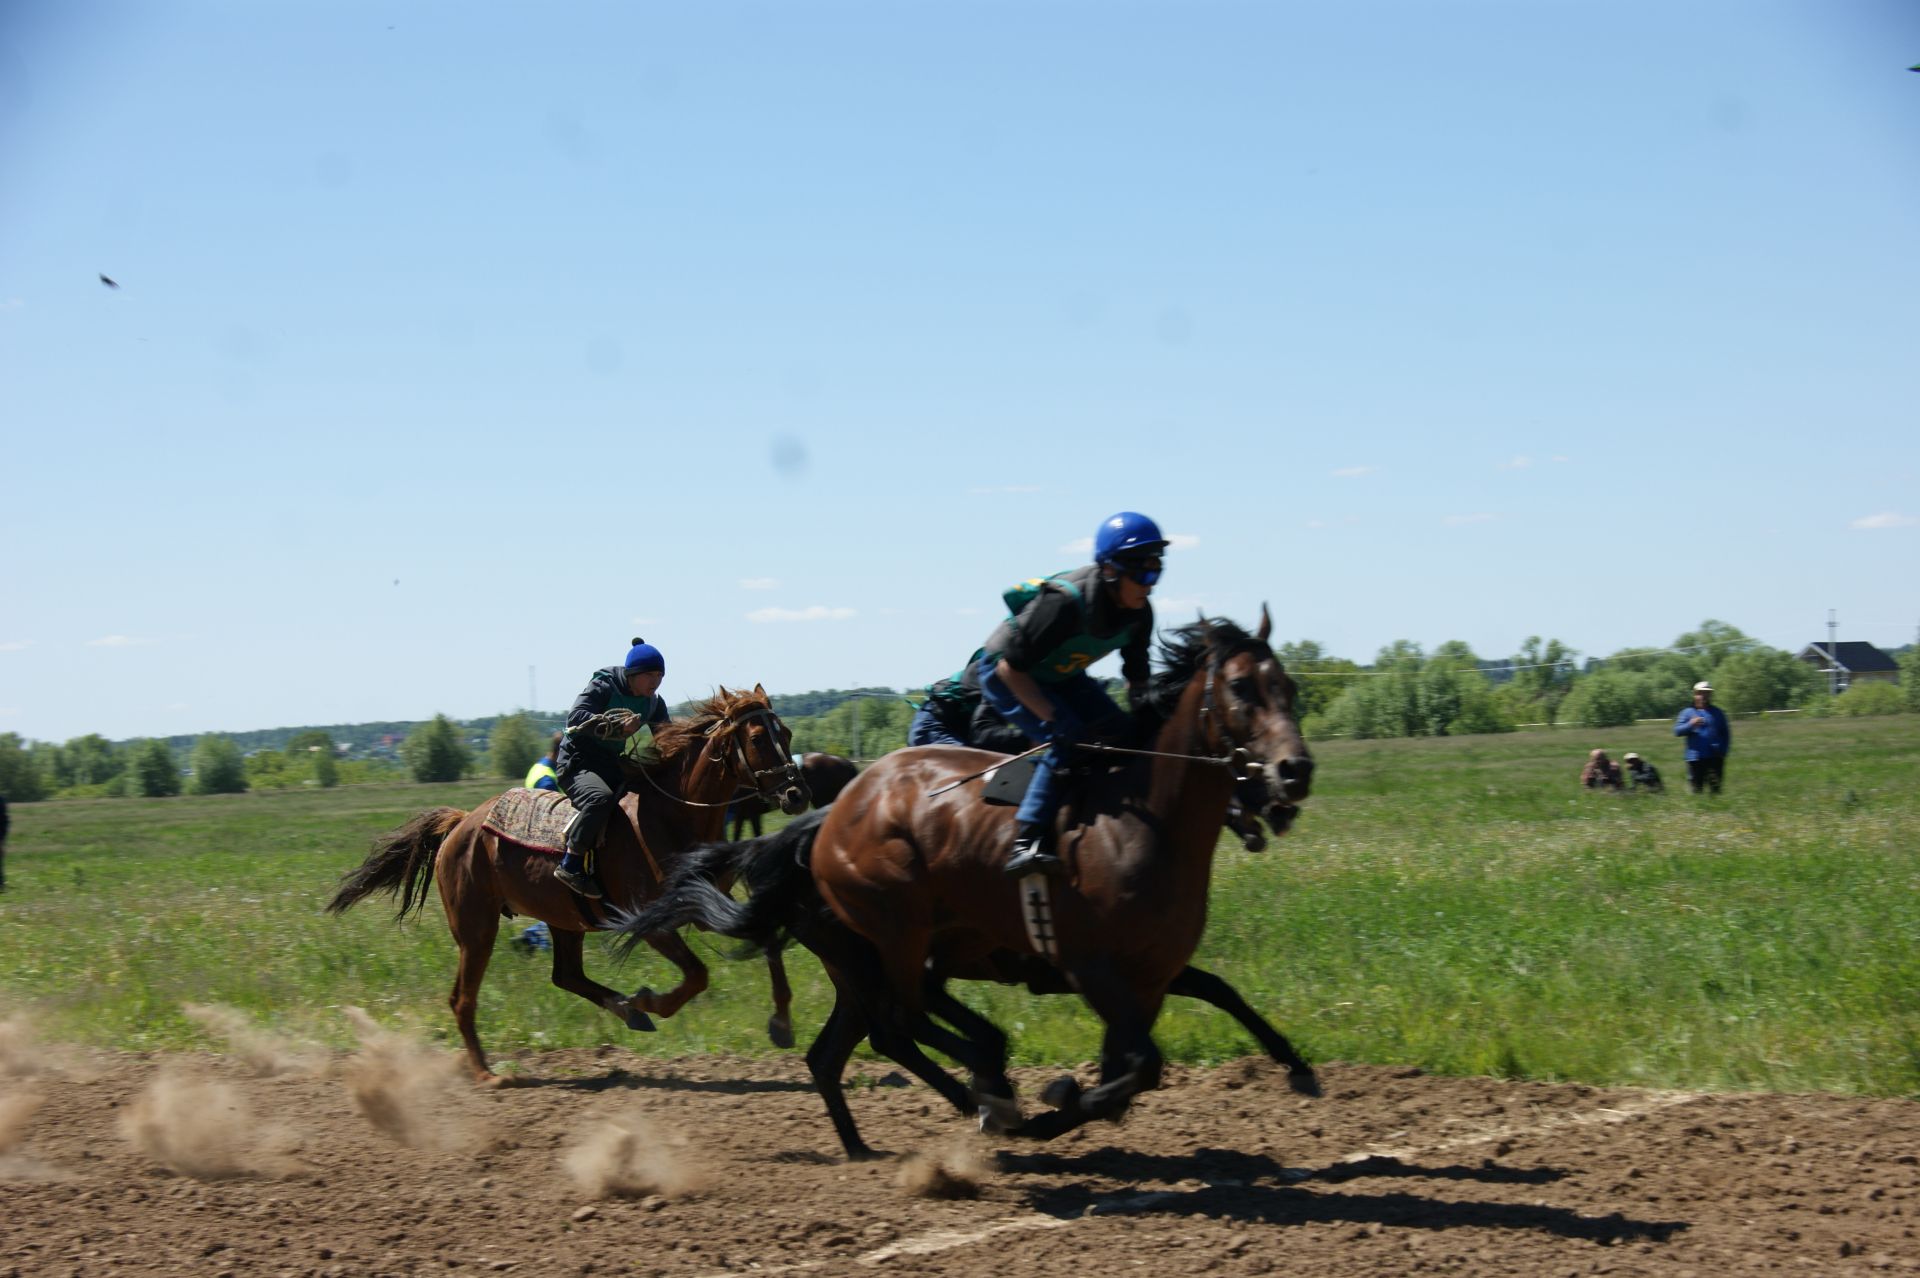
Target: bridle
765 782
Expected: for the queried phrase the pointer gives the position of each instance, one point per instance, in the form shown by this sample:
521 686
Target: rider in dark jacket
615 705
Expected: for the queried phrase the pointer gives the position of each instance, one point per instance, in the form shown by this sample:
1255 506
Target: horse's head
757 749
1248 712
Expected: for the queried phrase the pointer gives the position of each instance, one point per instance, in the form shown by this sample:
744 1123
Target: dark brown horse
730 742
907 867
825 776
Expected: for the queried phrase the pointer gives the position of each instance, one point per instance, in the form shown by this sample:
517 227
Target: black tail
774 870
400 863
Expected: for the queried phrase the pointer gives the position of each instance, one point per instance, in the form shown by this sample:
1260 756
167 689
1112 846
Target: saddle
534 819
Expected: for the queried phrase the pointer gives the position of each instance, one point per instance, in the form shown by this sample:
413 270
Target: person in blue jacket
616 704
1033 667
1709 739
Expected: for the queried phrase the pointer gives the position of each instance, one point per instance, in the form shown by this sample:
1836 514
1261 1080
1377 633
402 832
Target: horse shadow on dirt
1234 1195
621 1080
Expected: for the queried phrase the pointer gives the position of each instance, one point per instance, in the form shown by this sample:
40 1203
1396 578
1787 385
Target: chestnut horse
898 886
731 741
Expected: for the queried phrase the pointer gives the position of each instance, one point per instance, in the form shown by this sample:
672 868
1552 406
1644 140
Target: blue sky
454 339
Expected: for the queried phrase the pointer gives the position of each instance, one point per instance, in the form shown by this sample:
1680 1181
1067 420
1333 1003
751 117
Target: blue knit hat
643 657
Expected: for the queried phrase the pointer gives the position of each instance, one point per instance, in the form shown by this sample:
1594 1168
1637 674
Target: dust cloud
625 1155
405 1088
202 1128
265 1053
956 1173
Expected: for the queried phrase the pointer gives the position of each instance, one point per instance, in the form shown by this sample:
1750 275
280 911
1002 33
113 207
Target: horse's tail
774 870
400 863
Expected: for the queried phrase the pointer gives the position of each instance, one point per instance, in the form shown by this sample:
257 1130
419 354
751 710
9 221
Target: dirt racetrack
1225 1171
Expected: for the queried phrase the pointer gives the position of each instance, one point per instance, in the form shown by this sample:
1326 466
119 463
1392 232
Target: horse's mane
673 740
1183 649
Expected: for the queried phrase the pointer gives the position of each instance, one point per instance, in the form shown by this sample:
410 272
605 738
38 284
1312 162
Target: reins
788 769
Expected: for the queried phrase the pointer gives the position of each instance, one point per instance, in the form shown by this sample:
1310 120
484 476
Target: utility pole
532 700
1833 653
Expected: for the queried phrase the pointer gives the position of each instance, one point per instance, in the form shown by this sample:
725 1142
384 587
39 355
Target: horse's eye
1247 689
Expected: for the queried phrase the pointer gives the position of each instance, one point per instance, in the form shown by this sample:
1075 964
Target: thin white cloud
1519 461
1167 607
818 612
966 612
1354 472
9 711
1461 521
1316 523
1182 541
182 705
1561 457
759 583
12 304
1078 546
118 641
1886 519
1018 490
16 645
646 621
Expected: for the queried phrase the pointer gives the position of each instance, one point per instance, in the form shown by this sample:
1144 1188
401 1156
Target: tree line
1405 691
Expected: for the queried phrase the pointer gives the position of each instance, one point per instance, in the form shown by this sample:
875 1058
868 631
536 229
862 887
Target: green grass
1460 905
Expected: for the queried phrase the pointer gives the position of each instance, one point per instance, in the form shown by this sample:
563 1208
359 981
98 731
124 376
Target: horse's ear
1206 628
1266 624
760 691
721 693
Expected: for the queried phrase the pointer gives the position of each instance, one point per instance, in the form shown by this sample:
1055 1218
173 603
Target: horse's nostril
1296 773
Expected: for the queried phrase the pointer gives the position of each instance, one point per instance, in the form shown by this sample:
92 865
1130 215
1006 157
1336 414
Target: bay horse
898 886
729 742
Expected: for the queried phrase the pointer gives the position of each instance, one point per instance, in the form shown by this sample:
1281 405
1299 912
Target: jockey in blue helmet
617 703
1033 668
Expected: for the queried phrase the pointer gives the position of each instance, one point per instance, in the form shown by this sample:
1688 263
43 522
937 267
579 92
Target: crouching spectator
1601 773
1642 776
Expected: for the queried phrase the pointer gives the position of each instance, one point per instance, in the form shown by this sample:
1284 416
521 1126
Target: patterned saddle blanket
534 819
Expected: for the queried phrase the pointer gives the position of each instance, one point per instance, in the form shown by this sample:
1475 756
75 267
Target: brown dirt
727 1166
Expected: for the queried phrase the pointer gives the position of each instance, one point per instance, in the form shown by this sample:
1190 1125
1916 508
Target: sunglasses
1144 571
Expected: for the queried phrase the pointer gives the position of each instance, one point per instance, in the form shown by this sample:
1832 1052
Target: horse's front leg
570 974
780 1024
1208 988
693 976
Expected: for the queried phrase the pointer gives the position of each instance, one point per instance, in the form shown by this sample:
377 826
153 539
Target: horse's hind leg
827 1061
1130 1061
693 976
981 1047
476 950
1208 988
780 1024
570 974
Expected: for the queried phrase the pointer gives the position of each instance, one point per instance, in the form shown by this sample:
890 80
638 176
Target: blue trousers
928 728
1081 696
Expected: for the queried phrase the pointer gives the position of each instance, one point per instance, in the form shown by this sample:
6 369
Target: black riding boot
1031 854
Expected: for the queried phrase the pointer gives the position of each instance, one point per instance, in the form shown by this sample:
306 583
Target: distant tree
21 779
305 742
218 767
326 767
90 760
313 752
155 773
512 746
1713 642
1910 677
1543 674
434 752
1320 677
1762 679
1607 699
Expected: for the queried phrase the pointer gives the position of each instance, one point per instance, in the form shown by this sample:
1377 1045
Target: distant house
1855 662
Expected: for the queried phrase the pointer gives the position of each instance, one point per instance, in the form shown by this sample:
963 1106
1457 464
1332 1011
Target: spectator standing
1709 739
1601 773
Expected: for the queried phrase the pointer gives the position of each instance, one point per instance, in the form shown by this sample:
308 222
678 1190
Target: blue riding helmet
1128 535
643 657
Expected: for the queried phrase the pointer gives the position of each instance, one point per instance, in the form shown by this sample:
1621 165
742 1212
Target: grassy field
1459 905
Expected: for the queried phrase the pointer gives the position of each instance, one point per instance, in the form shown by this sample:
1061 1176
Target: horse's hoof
780 1030
638 1021
489 1079
864 1154
1304 1081
1062 1093
1253 842
999 1115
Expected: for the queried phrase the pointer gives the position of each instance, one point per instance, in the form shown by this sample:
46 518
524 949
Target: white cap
1632 755
1703 686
